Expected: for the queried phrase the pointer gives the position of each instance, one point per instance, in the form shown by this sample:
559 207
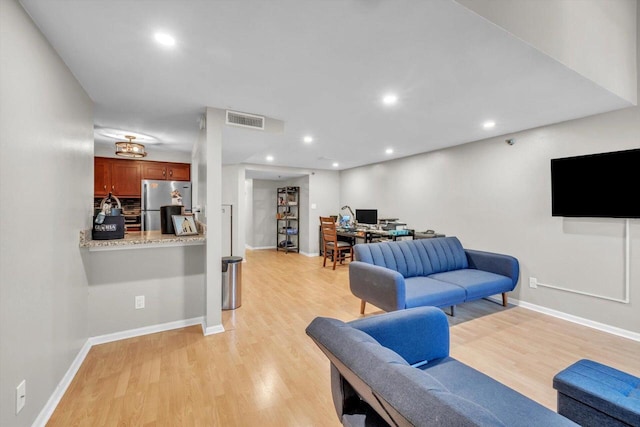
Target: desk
370 235
367 235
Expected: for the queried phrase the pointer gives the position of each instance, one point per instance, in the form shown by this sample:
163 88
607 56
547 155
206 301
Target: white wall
497 197
102 150
46 174
210 194
233 193
248 217
596 38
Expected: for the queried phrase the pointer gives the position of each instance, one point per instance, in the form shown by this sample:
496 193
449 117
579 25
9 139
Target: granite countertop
143 239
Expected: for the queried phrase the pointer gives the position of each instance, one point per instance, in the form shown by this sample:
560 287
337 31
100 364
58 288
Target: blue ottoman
592 394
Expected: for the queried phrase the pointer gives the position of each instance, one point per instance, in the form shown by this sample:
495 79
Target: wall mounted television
367 216
603 185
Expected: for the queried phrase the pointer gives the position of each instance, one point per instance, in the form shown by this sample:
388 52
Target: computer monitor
367 216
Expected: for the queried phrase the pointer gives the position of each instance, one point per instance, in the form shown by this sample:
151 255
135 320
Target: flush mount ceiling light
489 125
389 151
390 99
130 148
269 158
335 164
308 139
165 39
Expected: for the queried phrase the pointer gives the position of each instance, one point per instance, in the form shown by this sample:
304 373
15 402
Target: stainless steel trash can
231 282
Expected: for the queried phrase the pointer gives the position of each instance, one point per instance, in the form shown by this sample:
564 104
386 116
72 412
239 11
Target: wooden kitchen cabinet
166 171
101 176
125 178
120 177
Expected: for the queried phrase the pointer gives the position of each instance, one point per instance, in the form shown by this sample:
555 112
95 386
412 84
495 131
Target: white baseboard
61 388
215 329
573 319
123 335
257 248
313 254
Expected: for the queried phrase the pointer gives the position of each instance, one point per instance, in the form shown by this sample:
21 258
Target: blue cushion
415 257
354 348
477 283
606 389
509 406
418 334
440 294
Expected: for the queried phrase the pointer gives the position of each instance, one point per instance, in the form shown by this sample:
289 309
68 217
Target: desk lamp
353 216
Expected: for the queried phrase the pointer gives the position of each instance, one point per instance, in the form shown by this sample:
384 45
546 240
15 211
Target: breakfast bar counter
140 240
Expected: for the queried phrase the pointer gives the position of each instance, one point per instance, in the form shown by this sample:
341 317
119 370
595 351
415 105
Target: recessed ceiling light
269 158
165 39
389 151
308 139
335 164
390 99
488 125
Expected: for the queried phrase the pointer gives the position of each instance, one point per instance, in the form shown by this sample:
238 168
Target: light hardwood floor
264 370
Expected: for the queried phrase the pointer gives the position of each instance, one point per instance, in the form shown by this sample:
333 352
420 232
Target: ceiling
321 67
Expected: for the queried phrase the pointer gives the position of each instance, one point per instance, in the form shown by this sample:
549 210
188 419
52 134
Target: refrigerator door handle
144 197
142 228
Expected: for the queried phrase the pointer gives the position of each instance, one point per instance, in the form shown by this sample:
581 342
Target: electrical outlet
21 396
533 282
139 302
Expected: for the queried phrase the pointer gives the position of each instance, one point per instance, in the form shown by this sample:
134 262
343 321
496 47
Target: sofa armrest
505 265
417 334
380 286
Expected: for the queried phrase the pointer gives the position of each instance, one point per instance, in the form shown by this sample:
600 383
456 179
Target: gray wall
264 213
46 165
171 280
497 197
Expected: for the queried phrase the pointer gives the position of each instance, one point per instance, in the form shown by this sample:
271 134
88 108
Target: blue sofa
395 369
428 272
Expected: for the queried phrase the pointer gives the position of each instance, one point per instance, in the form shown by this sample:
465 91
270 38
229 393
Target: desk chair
331 243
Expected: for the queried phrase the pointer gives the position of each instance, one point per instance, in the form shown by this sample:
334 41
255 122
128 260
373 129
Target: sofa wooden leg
504 299
363 303
453 312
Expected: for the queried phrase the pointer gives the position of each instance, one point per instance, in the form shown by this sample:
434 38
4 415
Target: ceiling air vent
245 120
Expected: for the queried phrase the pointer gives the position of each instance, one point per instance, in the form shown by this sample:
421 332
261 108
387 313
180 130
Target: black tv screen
367 216
598 185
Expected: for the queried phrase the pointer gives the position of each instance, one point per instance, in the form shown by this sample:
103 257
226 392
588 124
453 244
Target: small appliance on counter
166 222
108 223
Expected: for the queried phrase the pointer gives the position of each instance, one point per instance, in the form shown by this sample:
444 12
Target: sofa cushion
418 335
509 406
424 401
424 291
356 349
415 257
477 283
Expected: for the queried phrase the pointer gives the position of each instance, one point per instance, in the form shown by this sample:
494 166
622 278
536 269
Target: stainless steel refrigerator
162 193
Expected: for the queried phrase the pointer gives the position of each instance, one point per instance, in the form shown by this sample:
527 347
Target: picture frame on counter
184 225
